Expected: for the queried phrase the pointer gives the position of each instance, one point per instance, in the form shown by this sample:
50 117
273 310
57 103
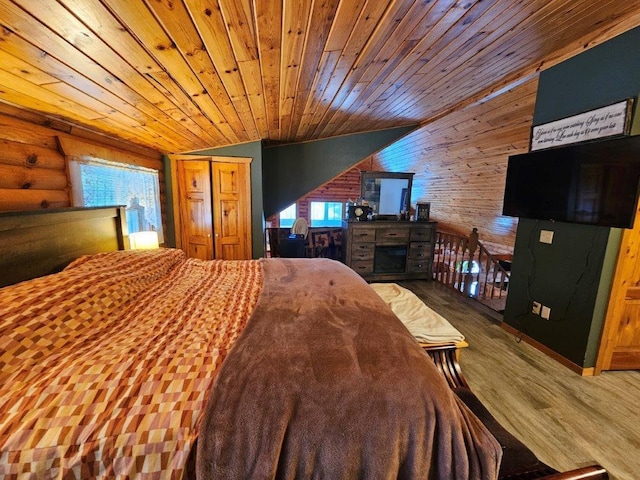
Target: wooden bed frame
38 243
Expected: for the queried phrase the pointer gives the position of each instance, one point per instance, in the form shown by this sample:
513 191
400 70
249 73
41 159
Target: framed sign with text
607 121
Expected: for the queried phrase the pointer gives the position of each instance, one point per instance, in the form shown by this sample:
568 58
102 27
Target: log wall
32 170
33 166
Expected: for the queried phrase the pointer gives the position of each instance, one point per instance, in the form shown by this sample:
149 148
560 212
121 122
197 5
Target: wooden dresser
390 250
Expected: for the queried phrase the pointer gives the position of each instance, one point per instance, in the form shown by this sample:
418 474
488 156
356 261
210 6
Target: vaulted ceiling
182 75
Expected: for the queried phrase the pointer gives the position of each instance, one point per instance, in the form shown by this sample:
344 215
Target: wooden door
196 229
231 189
620 342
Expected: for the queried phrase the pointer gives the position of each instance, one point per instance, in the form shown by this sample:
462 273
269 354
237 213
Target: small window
326 214
100 183
288 216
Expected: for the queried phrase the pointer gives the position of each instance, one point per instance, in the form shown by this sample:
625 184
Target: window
100 183
326 214
288 216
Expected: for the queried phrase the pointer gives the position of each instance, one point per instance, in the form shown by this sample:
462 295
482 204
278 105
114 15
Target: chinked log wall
33 173
32 170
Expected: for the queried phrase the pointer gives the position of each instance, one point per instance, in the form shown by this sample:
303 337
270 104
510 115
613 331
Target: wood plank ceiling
182 75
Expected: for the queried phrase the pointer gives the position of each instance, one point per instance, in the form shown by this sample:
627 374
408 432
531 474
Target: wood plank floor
568 421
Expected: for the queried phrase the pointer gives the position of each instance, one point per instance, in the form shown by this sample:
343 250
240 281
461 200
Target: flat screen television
594 183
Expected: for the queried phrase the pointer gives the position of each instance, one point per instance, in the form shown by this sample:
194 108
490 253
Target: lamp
145 240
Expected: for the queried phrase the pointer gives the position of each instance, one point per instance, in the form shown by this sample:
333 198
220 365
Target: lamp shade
143 240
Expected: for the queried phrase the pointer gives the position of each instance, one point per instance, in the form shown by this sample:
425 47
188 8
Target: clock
358 212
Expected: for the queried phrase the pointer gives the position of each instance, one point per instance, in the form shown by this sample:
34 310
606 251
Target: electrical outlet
535 309
545 312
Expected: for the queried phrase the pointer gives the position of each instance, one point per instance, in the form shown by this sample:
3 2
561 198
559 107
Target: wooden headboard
37 243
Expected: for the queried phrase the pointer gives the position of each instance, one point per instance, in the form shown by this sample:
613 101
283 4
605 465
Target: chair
295 244
300 227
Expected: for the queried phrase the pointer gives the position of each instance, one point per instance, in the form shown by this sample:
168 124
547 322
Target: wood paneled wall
460 163
33 167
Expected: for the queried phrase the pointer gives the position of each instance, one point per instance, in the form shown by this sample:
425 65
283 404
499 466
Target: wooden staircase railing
464 264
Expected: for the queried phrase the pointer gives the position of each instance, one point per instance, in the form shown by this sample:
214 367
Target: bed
152 365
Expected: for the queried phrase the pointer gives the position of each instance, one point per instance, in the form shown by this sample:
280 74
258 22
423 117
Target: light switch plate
535 308
546 236
546 312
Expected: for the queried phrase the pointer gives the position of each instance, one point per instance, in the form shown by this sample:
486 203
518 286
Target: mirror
387 193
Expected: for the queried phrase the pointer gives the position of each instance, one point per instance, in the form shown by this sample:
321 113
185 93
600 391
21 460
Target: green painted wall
600 76
573 275
565 276
170 233
292 171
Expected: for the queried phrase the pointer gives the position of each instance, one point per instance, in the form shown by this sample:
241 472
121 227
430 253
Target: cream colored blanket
424 324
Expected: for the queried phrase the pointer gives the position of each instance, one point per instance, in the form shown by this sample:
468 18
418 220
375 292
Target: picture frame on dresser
423 210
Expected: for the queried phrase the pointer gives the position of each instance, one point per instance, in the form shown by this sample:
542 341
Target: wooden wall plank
211 27
294 31
240 27
27 199
268 17
12 176
30 156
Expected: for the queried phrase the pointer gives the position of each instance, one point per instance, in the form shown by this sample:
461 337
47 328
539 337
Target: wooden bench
518 462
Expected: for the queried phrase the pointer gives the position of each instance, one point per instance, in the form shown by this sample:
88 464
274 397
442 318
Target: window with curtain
326 214
100 183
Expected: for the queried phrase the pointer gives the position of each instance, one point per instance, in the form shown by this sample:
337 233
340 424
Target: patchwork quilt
105 367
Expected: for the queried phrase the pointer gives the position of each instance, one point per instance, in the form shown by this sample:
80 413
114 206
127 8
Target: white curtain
98 183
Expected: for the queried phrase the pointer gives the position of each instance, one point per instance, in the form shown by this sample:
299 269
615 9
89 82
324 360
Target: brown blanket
326 382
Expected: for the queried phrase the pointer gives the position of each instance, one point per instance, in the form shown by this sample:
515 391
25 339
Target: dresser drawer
419 250
363 251
418 266
421 234
363 235
362 267
392 235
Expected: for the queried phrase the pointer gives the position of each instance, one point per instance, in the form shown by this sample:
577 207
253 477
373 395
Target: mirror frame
366 177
